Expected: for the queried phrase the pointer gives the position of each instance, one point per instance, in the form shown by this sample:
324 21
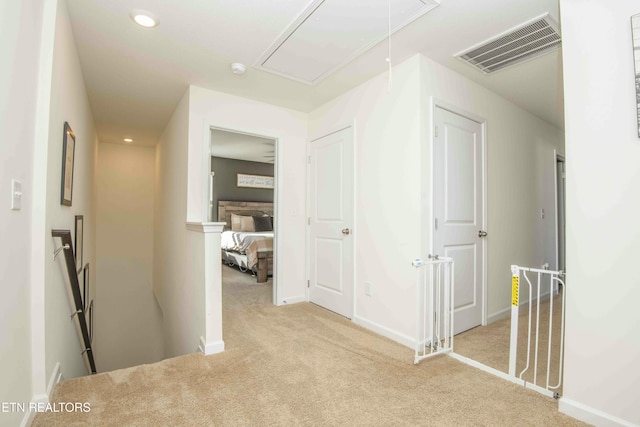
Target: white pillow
242 223
247 224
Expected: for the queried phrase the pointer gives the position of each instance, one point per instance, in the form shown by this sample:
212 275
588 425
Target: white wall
174 255
387 225
21 24
520 167
393 206
289 128
128 328
69 103
181 196
603 208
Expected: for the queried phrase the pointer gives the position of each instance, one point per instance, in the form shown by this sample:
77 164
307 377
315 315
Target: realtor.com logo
68 407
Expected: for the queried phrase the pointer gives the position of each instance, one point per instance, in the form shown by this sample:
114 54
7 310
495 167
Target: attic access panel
331 33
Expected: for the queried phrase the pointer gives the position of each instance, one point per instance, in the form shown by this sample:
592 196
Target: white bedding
240 240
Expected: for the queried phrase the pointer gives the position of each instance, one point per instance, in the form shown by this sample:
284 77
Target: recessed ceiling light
144 18
128 140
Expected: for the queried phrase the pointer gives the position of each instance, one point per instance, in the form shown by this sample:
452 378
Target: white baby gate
434 306
547 282
435 319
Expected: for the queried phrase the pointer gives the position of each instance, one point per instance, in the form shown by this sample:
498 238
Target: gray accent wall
225 179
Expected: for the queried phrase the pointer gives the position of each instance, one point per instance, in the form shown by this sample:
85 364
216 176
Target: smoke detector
238 69
519 44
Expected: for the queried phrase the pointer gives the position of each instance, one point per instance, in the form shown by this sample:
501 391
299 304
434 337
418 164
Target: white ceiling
331 33
240 146
136 76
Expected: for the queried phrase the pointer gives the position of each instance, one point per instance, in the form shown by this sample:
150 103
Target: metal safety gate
435 310
434 307
548 286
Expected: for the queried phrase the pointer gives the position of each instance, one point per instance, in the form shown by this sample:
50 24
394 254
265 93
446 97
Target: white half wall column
209 233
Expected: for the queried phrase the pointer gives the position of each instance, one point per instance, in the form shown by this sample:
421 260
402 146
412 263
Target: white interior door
331 222
458 210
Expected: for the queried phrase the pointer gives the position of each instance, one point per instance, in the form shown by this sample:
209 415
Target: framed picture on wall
635 33
85 288
91 322
68 153
254 181
79 241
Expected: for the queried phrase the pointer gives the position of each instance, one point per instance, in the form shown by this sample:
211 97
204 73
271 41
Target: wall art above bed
255 181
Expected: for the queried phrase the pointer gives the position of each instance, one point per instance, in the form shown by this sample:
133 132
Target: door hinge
435 223
309 221
436 131
309 159
308 284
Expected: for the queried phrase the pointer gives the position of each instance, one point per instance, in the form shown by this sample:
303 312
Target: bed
247 241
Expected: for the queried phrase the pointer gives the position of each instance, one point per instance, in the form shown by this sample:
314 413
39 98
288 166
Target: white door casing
458 170
331 241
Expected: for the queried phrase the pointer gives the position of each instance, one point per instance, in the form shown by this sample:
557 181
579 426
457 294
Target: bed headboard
226 208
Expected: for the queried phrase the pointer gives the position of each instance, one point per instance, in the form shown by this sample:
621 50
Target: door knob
482 233
346 231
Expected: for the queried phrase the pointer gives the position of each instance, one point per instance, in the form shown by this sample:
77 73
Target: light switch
16 195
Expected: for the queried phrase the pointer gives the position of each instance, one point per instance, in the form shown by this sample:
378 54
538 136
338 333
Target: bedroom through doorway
243 196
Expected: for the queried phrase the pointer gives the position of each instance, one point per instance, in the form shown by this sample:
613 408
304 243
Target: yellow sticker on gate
514 290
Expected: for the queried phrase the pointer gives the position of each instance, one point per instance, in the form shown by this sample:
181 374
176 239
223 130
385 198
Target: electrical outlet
367 288
545 266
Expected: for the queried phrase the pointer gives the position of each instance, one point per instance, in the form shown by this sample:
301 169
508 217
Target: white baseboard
293 300
210 347
56 377
385 332
590 415
499 315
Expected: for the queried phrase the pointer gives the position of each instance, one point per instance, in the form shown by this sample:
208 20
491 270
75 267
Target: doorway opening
242 194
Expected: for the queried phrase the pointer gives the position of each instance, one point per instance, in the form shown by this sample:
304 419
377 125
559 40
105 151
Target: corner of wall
42 398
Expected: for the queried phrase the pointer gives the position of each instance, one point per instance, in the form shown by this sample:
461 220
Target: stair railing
79 313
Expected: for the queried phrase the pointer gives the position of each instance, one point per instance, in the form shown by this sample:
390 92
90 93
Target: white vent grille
522 43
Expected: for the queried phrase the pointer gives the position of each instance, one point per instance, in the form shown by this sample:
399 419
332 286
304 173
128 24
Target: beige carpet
299 365
490 344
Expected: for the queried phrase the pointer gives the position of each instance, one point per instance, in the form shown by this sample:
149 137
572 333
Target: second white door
331 222
458 209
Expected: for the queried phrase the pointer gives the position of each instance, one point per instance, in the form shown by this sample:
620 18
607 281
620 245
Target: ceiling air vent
519 44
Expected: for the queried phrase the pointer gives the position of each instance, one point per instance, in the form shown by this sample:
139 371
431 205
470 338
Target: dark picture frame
68 160
91 322
85 287
635 39
79 243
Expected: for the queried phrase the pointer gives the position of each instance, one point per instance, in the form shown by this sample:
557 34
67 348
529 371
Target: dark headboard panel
226 208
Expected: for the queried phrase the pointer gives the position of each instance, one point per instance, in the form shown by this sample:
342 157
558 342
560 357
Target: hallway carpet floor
299 365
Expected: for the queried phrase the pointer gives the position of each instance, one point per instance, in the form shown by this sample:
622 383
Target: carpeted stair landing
299 365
